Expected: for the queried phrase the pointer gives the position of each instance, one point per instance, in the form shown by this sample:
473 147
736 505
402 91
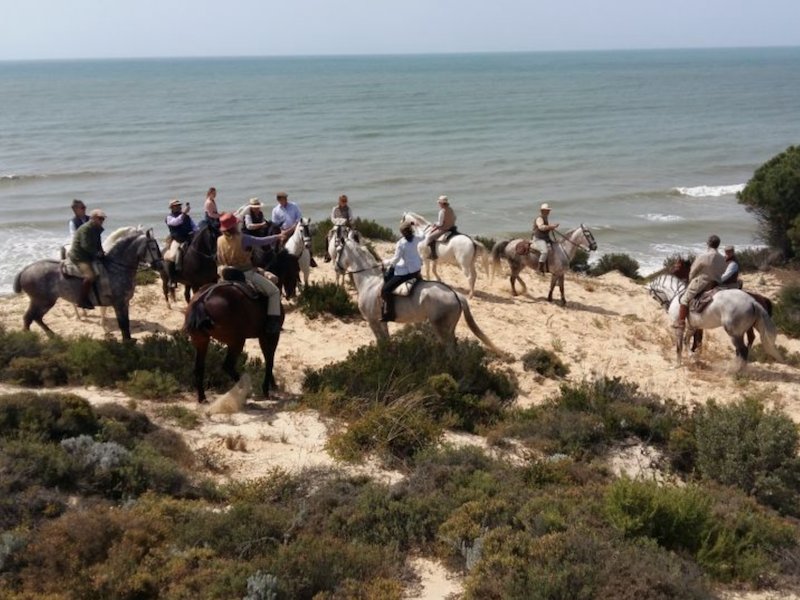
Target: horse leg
741 350
380 329
561 289
34 314
187 293
268 343
229 364
697 340
552 287
751 337
123 320
435 272
200 342
472 274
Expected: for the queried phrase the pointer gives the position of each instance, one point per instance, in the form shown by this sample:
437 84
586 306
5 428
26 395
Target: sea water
647 148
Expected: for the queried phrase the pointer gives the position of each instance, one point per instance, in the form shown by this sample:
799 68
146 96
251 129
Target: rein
577 245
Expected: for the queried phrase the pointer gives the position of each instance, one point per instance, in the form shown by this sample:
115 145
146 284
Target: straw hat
228 221
174 202
544 206
254 203
444 200
97 213
728 248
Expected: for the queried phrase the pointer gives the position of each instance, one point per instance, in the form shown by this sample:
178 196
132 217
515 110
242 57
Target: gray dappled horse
459 249
733 310
44 283
430 301
561 254
299 245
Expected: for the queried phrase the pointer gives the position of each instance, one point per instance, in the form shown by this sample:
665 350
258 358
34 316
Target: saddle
405 288
102 286
700 302
70 269
233 276
450 233
523 247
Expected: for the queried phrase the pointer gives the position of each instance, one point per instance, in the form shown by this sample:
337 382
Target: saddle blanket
101 290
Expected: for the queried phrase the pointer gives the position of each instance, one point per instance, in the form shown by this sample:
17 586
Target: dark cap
78 203
280 195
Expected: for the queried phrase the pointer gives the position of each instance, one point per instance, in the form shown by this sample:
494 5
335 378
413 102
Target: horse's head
664 288
287 268
680 268
151 253
305 228
588 237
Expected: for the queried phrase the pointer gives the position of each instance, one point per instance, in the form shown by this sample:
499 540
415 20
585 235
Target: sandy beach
609 327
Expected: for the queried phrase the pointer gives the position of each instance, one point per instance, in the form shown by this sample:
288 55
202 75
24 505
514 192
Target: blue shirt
406 258
286 217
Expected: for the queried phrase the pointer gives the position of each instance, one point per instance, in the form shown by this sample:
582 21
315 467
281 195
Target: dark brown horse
228 313
199 266
681 268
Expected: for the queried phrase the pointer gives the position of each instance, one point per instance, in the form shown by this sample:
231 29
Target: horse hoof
202 401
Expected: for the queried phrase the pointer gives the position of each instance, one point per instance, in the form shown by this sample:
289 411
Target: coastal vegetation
327 298
368 228
623 263
773 196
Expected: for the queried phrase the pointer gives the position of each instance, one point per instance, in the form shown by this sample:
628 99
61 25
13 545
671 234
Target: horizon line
393 54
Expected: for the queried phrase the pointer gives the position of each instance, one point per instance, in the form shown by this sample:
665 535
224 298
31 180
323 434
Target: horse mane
120 234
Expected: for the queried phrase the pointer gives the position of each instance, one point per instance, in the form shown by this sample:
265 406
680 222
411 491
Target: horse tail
483 252
473 326
766 331
497 252
18 283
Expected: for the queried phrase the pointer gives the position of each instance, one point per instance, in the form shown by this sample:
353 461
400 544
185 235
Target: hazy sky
32 29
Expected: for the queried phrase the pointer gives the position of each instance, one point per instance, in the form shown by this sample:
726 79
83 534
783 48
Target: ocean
647 148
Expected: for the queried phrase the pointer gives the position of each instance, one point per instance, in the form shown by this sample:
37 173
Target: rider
404 265
706 271
341 216
445 222
79 210
542 238
730 278
287 215
255 223
181 229
212 215
87 248
234 249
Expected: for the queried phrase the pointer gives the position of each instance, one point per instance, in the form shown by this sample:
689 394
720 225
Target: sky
62 29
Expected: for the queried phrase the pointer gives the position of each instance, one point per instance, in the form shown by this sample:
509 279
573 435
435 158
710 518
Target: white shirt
286 217
406 258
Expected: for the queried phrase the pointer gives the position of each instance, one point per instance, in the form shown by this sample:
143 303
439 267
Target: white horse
459 249
561 254
299 245
430 301
336 237
733 310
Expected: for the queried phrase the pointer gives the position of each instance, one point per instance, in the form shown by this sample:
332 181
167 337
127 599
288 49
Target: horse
225 312
44 282
681 267
734 310
282 264
299 245
561 254
336 237
459 249
199 266
431 301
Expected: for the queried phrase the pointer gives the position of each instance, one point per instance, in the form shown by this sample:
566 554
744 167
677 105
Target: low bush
180 415
318 299
746 445
367 228
580 262
623 263
488 242
544 362
146 277
758 259
150 385
787 310
46 417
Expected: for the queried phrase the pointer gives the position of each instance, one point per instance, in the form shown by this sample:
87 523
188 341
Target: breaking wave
710 191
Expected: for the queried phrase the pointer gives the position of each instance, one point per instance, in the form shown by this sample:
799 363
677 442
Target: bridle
590 241
660 294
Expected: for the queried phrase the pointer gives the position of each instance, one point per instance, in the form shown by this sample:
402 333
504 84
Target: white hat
728 248
544 206
255 202
444 199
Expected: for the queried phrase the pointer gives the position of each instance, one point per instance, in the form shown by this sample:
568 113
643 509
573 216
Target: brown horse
229 313
681 268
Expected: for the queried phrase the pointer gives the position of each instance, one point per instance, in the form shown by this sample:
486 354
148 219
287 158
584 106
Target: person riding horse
445 222
181 229
255 223
707 270
287 216
405 265
730 278
212 215
234 249
79 210
341 217
542 236
86 249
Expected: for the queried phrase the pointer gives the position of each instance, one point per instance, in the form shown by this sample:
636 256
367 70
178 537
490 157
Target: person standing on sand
542 236
707 270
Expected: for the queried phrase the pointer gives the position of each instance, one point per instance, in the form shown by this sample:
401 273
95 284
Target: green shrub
150 385
146 277
753 448
18 344
623 263
757 259
182 416
48 417
544 362
488 242
787 310
580 262
319 238
373 230
326 298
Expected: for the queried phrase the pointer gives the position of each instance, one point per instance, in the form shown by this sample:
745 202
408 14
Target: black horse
199 266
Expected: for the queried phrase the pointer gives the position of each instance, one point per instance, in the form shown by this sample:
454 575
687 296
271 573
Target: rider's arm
251 241
72 229
398 254
174 221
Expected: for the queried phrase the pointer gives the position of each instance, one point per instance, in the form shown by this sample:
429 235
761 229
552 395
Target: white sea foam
661 218
26 246
710 191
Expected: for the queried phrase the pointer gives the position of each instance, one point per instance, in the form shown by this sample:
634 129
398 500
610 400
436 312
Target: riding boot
683 312
387 311
432 246
543 268
327 257
84 301
273 324
312 262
